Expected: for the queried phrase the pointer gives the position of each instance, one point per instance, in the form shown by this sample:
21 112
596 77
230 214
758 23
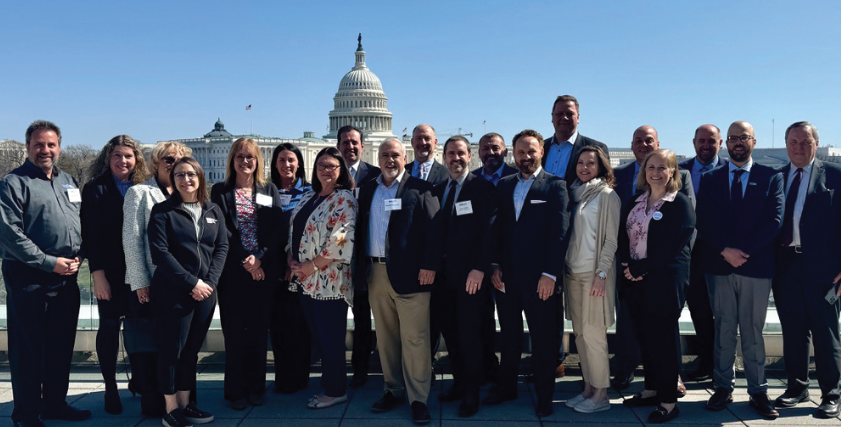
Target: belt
377 259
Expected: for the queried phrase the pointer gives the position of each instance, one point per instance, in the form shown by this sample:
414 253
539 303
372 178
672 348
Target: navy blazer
689 163
102 228
537 242
820 226
467 229
751 226
580 142
410 239
437 174
506 171
626 187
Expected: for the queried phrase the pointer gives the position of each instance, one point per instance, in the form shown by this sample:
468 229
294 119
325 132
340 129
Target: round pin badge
658 216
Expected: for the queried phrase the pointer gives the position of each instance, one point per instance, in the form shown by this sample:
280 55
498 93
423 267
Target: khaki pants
590 339
402 325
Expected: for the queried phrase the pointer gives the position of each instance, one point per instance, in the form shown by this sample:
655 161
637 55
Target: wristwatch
601 274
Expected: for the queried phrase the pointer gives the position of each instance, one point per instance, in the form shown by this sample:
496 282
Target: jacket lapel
230 200
816 177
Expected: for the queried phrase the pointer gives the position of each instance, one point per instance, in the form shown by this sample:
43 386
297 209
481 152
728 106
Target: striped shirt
379 218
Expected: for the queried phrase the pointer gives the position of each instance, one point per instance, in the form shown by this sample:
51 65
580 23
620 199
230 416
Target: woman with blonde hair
256 237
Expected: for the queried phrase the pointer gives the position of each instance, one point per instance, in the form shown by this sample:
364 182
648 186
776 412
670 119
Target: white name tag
264 200
211 220
464 208
74 195
285 199
393 204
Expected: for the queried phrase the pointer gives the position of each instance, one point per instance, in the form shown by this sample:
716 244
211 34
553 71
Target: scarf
583 192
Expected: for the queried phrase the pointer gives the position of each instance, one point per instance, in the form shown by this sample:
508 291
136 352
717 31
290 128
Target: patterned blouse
638 221
247 218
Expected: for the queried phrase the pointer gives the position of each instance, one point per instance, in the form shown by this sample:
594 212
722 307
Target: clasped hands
252 265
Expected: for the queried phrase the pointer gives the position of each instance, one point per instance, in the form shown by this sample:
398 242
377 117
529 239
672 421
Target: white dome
360 79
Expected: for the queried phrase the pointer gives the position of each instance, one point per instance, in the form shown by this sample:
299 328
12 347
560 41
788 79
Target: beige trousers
402 325
591 340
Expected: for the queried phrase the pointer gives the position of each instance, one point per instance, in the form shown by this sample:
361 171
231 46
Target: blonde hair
669 157
251 146
160 150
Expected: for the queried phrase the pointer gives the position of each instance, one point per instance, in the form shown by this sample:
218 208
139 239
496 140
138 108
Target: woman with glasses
256 237
189 242
289 330
119 166
137 209
319 255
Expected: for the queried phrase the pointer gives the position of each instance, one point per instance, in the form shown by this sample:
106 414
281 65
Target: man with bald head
707 142
396 258
425 167
740 213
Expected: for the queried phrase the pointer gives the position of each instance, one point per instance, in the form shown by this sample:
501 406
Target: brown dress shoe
559 372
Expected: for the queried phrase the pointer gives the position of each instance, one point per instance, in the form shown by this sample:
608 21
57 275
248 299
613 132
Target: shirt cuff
49 263
555 278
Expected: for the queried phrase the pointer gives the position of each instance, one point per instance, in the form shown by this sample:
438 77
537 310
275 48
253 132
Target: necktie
736 187
353 172
791 200
448 204
424 172
701 172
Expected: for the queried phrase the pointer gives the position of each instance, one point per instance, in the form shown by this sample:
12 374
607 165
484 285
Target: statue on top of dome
360 42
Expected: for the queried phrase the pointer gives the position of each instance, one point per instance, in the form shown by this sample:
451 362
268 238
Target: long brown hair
102 164
605 170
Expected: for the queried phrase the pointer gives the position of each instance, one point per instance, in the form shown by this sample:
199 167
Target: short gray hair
422 125
803 124
399 143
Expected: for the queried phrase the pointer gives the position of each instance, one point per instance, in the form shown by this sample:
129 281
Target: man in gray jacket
40 239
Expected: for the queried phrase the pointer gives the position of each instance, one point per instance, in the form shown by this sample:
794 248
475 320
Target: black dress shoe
239 404
720 399
469 405
420 413
66 413
699 375
637 401
621 382
359 379
32 423
255 399
455 392
763 406
544 409
790 399
387 403
661 415
497 397
830 407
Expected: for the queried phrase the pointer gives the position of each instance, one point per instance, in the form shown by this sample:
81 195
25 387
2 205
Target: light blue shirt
559 154
521 190
416 168
801 198
698 169
495 177
744 176
636 173
379 218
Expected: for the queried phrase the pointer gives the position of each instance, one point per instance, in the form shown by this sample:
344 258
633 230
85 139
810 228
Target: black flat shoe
637 401
358 380
239 404
790 399
66 413
829 408
544 410
469 405
113 405
661 415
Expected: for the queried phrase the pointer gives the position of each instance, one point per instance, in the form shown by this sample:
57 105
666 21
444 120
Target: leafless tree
12 154
76 160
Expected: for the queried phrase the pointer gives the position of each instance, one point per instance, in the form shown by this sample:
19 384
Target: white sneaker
588 406
575 400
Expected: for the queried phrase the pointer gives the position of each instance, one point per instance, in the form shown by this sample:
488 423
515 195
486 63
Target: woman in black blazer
256 238
654 234
188 242
120 165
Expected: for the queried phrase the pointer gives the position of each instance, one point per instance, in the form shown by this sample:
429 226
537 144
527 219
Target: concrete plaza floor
86 391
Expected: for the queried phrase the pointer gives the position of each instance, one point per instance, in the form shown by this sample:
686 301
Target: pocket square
536 202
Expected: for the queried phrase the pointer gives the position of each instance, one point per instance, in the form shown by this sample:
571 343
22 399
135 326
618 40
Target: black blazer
365 174
820 226
751 226
182 257
580 142
437 174
537 242
102 228
506 171
626 187
410 239
272 232
466 240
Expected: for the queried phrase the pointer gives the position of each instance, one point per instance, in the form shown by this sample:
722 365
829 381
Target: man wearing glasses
739 262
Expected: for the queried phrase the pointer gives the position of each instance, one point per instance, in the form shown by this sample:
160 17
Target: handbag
138 335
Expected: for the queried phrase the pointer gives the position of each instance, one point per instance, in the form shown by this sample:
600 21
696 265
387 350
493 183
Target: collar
700 165
570 141
806 169
460 179
36 171
355 165
669 197
396 180
532 177
745 168
498 172
428 162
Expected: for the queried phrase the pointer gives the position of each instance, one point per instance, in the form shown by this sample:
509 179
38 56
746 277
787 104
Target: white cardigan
137 208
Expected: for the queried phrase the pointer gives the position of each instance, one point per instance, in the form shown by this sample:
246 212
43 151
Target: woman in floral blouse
319 255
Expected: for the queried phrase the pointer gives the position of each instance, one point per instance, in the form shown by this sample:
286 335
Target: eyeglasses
240 158
186 175
327 168
169 160
734 138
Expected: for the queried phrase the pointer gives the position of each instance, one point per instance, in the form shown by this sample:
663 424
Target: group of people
431 250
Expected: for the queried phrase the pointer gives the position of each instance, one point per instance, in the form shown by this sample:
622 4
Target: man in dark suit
739 262
809 263
559 154
707 142
530 246
425 166
397 255
350 144
627 352
468 207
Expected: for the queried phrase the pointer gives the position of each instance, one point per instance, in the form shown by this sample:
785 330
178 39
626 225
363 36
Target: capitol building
360 101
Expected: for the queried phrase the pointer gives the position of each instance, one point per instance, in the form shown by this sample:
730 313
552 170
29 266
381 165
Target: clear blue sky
164 70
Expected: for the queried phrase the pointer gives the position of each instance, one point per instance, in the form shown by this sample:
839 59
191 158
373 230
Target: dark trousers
291 343
364 338
245 312
489 359
462 321
803 312
626 351
328 325
108 333
181 334
43 313
698 301
544 339
560 319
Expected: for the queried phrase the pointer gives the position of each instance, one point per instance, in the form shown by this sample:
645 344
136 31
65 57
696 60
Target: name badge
464 208
211 220
285 199
657 216
264 200
74 195
393 204
537 202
